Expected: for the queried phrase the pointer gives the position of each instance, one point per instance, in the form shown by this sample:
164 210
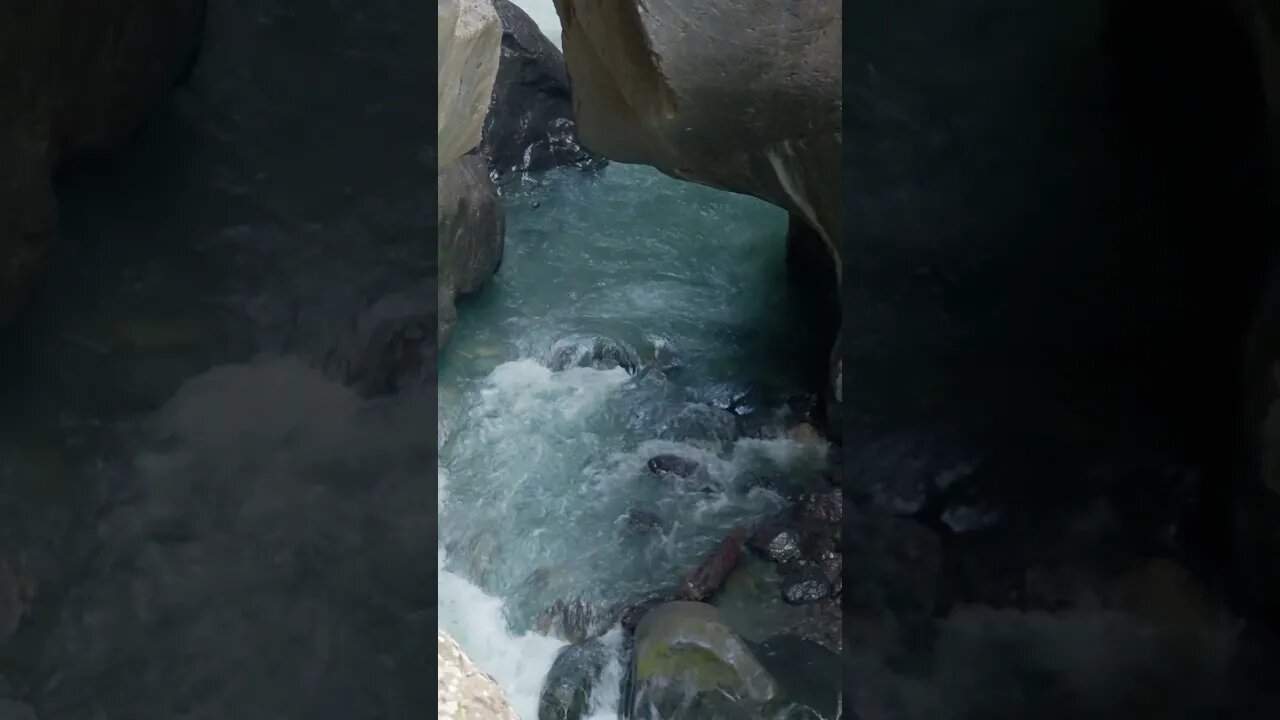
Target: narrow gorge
640 510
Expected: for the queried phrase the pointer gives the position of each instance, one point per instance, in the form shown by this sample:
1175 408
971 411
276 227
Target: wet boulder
566 692
75 78
687 662
777 543
668 464
575 620
643 521
594 352
530 125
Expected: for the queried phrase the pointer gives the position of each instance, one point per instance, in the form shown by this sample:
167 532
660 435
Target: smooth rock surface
74 77
470 228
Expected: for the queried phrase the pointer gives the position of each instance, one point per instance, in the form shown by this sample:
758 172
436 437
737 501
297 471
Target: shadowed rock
530 125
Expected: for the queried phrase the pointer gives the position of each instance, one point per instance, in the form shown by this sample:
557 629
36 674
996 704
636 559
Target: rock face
530 125
463 692
74 77
470 227
469 36
469 220
743 96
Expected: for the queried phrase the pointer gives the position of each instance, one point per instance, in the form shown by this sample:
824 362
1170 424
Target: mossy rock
688 661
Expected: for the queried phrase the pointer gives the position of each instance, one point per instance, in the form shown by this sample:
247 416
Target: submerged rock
595 352
715 569
75 78
668 464
463 691
530 125
642 521
688 663
566 693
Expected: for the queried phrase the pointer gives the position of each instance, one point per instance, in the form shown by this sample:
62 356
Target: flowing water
545 439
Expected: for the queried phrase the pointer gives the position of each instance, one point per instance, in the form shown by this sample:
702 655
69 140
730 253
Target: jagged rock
776 543
74 77
530 125
463 691
470 229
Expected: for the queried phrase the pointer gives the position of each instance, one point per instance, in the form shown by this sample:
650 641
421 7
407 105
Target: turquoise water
542 457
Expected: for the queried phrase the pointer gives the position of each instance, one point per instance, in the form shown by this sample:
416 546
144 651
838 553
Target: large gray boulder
471 228
74 77
530 125
469 221
743 96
